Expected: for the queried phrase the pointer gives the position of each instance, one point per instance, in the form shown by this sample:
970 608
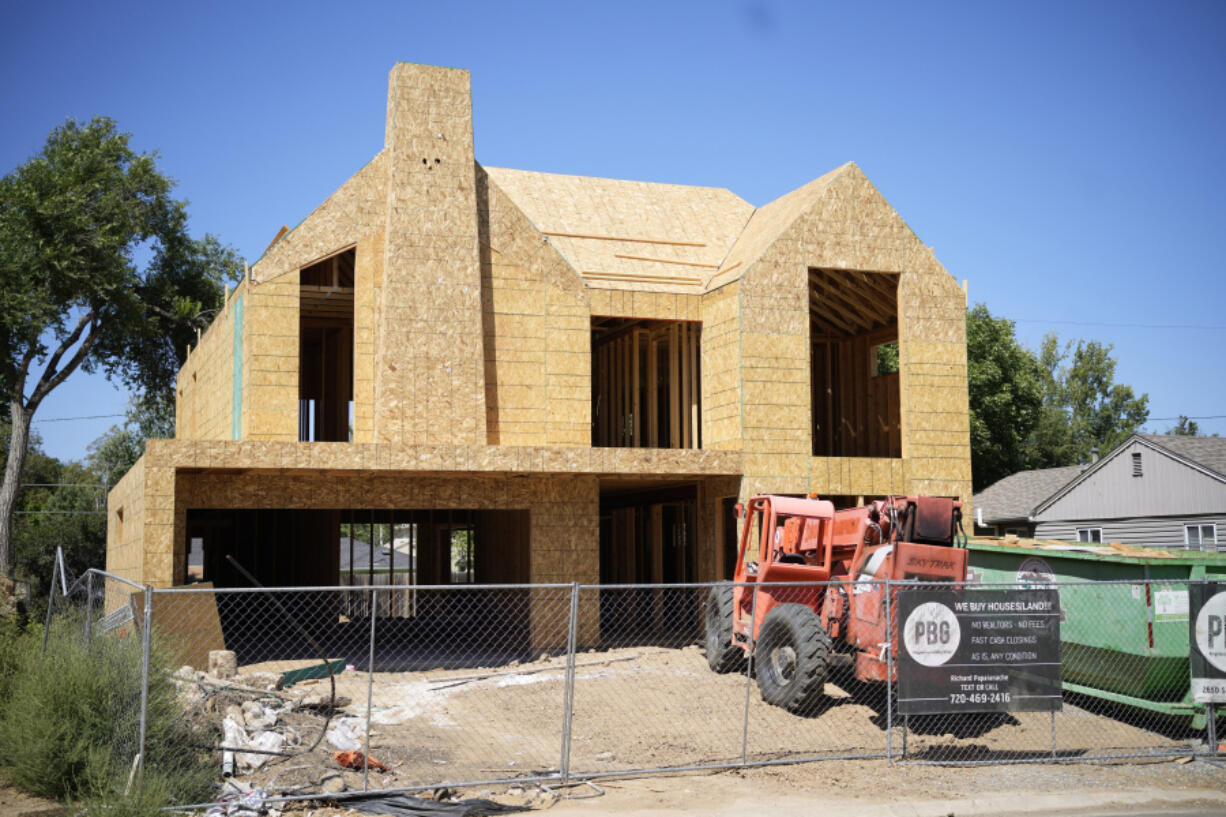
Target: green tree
111 455
1083 407
74 219
59 504
1005 390
1184 428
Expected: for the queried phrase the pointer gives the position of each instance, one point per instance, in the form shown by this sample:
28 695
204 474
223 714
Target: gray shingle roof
1209 452
1017 495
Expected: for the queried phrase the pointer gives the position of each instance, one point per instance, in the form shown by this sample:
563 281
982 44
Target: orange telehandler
788 548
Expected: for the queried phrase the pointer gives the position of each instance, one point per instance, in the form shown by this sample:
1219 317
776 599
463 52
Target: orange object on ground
356 760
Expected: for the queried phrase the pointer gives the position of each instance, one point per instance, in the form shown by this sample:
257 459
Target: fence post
889 676
753 618
370 683
89 603
50 598
568 705
144 677
1211 727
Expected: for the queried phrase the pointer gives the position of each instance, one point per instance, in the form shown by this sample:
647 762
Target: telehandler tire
722 654
792 658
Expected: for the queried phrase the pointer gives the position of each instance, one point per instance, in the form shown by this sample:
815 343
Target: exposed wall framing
325 349
646 383
855 404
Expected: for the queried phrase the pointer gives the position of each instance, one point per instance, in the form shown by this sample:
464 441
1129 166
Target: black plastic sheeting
406 805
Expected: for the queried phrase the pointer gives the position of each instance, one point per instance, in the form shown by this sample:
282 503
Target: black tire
792 658
722 654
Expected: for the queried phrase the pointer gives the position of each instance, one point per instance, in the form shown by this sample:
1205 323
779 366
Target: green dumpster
1126 643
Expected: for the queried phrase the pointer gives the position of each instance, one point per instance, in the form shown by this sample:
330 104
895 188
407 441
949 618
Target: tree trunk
18 444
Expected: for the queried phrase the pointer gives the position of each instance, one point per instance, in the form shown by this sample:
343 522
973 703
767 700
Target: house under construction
510 376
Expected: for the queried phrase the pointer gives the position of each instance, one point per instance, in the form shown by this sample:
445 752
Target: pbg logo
931 634
1211 631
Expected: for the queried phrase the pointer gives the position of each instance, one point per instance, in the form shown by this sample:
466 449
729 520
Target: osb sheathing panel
272 456
124 543
682 232
721 369
842 222
536 331
368 267
354 211
270 361
430 373
204 391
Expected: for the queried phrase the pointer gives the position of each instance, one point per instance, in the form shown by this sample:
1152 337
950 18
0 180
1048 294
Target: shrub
71 725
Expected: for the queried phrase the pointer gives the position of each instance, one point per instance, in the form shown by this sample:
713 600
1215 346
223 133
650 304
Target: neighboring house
560 378
1006 506
1154 489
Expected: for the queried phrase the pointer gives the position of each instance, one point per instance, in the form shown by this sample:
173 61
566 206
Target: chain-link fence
485 685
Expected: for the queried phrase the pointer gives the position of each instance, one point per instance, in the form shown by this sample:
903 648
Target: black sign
978 651
1207 634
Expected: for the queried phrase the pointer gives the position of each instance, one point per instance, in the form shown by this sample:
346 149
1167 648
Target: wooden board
185 624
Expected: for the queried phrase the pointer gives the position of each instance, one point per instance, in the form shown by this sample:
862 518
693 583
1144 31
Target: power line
1122 325
1187 417
67 419
61 513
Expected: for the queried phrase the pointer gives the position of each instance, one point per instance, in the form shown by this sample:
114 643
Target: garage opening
646 378
325 349
853 330
418 559
647 536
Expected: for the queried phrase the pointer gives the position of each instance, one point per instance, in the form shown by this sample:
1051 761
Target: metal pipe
753 631
89 605
50 598
568 697
144 676
370 685
889 677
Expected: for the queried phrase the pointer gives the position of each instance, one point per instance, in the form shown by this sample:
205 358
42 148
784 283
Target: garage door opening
419 561
647 536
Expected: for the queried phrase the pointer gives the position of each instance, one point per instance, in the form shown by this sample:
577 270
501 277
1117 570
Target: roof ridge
727 190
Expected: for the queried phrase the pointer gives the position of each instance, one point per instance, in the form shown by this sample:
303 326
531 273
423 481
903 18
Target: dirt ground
649 707
14 803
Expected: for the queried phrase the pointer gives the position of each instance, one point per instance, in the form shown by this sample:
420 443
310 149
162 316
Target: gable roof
1201 453
1208 452
615 232
1018 495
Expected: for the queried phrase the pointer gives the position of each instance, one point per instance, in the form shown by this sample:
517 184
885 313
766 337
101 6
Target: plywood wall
205 384
535 318
430 375
846 224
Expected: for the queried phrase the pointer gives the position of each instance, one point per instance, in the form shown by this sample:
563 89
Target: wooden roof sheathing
767 224
627 234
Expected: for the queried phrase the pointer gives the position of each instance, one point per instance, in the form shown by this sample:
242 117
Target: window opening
854 363
646 383
1090 535
325 349
1201 535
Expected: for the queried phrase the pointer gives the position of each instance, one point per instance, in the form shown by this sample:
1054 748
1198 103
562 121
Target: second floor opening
325 349
853 332
646 383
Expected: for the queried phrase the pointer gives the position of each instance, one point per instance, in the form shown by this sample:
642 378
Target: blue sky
1066 158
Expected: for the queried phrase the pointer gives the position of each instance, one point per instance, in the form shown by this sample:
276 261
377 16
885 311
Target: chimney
1093 455
431 375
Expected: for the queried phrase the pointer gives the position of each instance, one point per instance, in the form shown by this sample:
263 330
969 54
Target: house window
1136 463
1094 535
1202 536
